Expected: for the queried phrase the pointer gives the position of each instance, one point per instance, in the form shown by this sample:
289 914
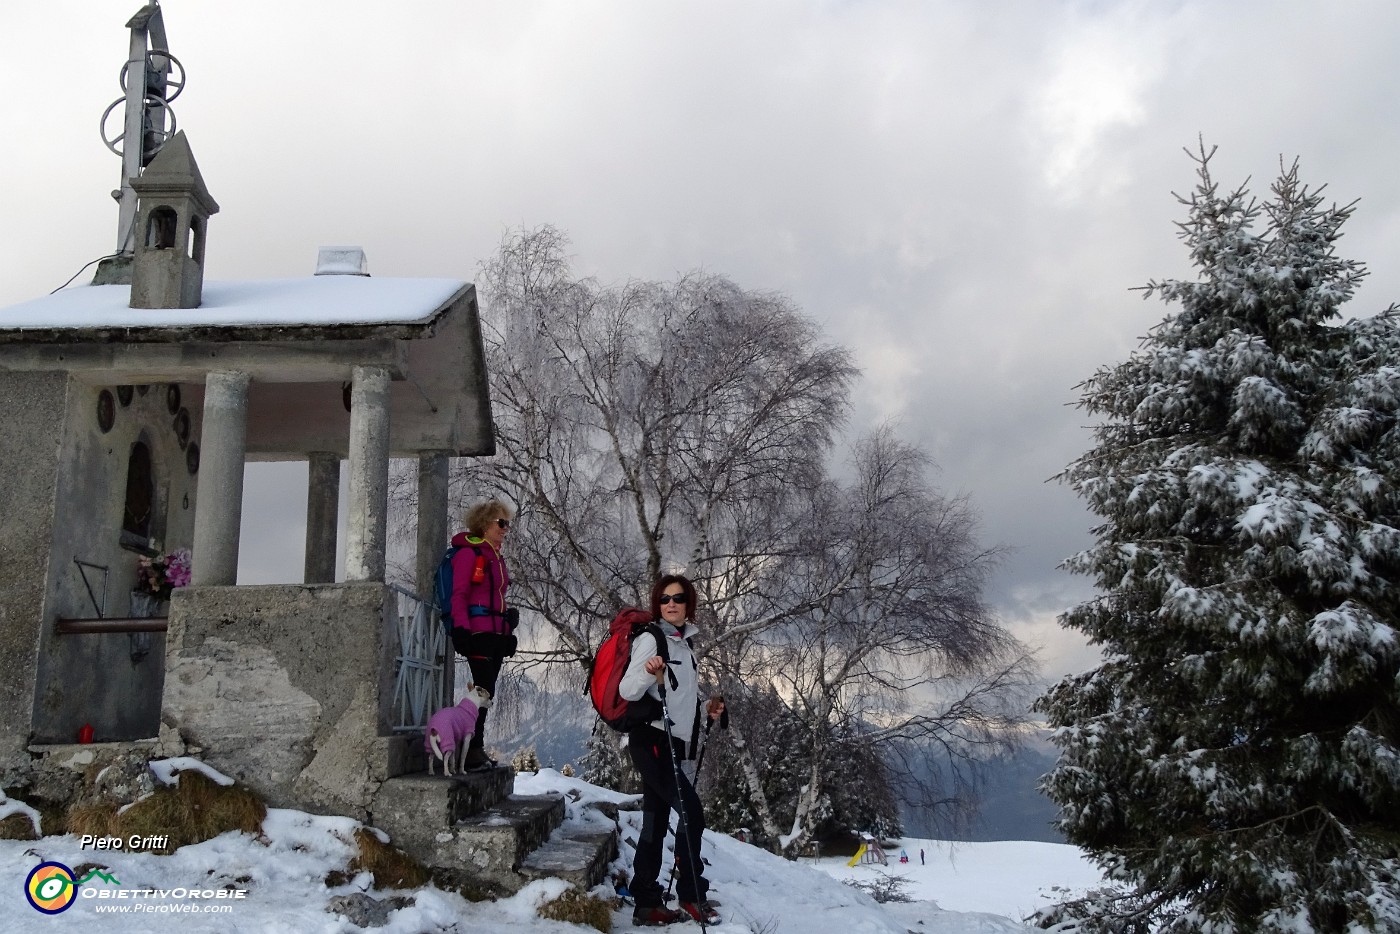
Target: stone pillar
220 493
432 542
366 533
432 516
322 514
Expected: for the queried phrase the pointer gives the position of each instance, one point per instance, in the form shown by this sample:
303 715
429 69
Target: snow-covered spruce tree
526 759
858 783
605 764
1233 762
861 785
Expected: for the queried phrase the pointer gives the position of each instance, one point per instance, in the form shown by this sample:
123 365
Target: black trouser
647 746
485 671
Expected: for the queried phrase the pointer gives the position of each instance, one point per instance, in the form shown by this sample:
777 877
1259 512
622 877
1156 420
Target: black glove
511 617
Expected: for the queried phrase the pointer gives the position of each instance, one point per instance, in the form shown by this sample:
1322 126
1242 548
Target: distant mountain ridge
1010 807
558 725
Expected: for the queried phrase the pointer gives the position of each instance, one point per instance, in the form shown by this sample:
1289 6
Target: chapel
133 402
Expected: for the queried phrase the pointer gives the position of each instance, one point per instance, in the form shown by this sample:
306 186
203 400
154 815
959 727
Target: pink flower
159 575
177 569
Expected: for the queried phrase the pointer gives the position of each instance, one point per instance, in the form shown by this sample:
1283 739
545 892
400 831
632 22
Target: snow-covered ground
969 888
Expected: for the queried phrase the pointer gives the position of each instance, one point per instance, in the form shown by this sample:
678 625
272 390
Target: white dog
449 731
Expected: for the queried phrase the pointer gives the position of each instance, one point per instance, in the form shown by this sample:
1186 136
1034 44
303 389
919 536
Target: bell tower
172 216
136 125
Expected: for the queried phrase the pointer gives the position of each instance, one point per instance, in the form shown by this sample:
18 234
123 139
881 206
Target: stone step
467 828
414 807
574 856
485 851
400 754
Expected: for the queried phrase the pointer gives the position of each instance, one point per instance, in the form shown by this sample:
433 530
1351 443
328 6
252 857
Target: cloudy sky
962 192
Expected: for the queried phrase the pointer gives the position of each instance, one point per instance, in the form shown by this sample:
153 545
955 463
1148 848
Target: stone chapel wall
31 424
112 681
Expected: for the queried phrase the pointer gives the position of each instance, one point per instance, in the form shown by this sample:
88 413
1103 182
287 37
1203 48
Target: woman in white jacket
673 609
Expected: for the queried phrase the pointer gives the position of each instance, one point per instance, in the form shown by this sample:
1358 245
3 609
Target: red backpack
610 664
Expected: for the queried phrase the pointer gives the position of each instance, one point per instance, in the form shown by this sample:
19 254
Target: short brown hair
483 514
687 588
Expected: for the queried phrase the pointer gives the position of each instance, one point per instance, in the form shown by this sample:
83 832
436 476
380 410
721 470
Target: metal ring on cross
154 103
175 80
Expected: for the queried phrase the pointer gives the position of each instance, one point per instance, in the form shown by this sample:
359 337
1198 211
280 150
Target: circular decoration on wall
106 411
182 427
192 457
124 395
142 389
172 398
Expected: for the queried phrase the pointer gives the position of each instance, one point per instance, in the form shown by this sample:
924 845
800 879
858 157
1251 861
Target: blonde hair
483 514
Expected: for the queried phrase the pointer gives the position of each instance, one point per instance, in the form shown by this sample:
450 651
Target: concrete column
432 516
322 514
223 441
369 474
432 542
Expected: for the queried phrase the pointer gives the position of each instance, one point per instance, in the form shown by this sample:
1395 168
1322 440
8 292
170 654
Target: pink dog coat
452 724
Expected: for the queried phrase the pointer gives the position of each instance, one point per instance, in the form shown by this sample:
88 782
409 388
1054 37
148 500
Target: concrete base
114 270
287 689
400 754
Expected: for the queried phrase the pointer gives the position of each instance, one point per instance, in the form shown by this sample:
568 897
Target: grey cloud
962 192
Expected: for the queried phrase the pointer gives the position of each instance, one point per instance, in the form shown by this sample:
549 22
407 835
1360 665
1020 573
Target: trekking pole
680 802
709 722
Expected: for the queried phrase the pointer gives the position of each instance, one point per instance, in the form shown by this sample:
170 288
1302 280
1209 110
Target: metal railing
419 664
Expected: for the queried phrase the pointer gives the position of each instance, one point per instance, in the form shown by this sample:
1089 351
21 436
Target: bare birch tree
688 426
632 421
903 654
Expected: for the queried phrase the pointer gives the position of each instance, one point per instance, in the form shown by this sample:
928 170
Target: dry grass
97 819
456 881
336 878
193 810
391 867
54 817
578 907
17 827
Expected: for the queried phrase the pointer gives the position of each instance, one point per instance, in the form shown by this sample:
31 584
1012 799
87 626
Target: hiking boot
703 911
476 760
656 916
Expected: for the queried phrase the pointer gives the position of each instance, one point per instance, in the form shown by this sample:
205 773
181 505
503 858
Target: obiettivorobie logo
51 888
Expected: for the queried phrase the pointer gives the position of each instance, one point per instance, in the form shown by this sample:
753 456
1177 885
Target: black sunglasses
503 523
677 598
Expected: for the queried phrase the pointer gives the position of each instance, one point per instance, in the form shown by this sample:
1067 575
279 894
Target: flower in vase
159 575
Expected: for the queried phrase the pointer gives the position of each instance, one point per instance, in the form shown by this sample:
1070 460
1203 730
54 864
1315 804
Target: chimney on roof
342 261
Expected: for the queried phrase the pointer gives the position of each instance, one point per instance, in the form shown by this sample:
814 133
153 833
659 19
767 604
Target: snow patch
167 770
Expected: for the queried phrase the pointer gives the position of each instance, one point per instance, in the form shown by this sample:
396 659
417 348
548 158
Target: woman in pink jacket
483 627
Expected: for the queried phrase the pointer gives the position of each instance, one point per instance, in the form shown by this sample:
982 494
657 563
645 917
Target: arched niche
161 228
139 505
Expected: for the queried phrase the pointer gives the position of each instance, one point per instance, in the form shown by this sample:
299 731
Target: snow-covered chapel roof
334 306
299 340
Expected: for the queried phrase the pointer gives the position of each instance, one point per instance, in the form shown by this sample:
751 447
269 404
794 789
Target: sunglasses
503 523
676 598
